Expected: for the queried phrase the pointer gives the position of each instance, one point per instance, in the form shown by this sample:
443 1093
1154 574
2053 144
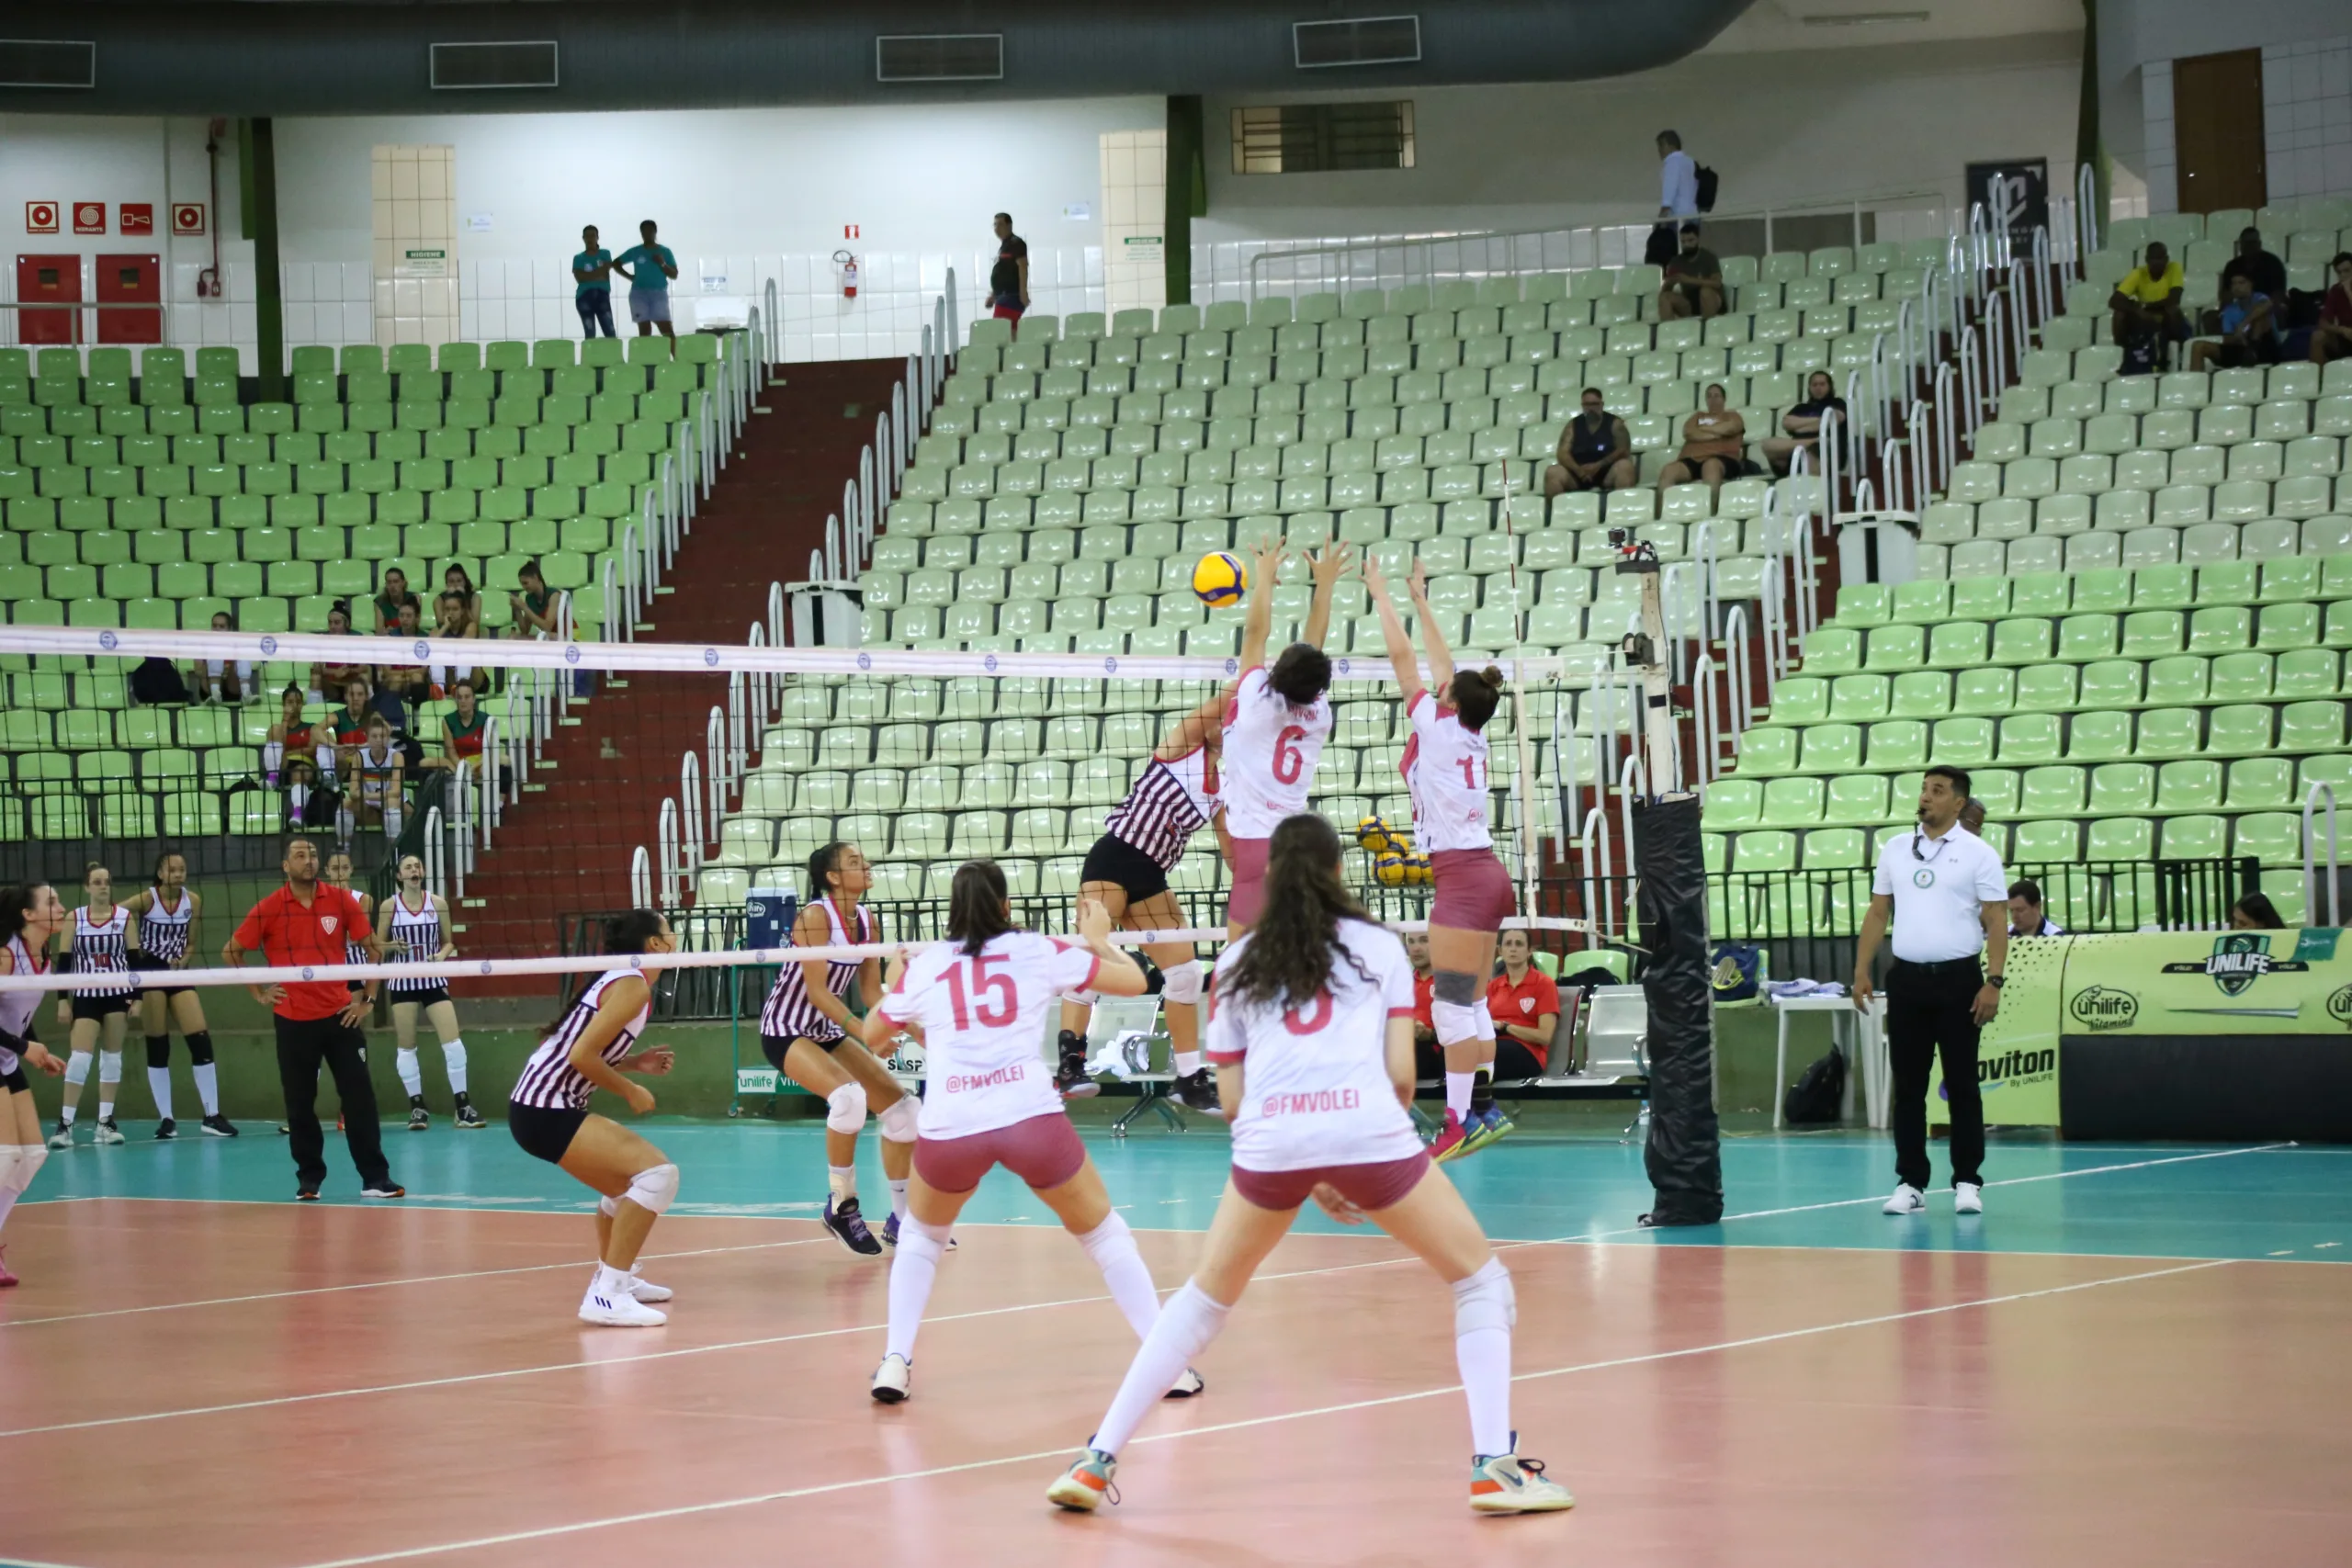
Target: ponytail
623 935
976 906
16 905
1289 952
1474 694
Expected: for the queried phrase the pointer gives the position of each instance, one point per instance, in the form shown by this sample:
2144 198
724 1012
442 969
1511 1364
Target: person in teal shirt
592 270
649 267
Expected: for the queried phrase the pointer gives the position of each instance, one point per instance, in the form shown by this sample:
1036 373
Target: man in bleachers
2269 273
2027 916
2147 306
2332 337
1596 452
1008 278
1694 281
2249 331
1677 196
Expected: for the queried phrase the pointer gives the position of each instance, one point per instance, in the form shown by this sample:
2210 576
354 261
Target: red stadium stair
566 848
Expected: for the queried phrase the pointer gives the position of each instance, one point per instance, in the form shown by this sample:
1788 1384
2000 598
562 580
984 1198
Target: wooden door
2217 131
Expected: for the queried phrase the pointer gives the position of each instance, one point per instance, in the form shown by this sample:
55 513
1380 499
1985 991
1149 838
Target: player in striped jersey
1126 872
31 917
99 942
805 1033
169 913
587 1049
376 792
416 926
1445 769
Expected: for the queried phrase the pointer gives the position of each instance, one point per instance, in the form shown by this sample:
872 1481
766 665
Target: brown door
2217 130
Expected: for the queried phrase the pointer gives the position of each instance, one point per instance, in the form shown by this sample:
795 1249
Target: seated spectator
373 795
219 679
2332 338
2027 916
1971 816
539 609
1526 1008
1714 442
327 678
157 682
2269 274
1596 453
2249 332
408 682
1429 1058
394 594
2255 912
349 723
1802 424
461 730
1694 281
455 617
455 581
2147 306
299 755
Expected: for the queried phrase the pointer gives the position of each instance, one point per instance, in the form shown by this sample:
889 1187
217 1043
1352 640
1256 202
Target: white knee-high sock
1113 1246
1186 1326
12 1177
207 1087
452 1058
159 1085
412 1075
1483 1309
109 1081
898 1199
911 1274
1457 1093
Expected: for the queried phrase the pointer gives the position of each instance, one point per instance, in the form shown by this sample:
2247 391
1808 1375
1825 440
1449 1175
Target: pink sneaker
1450 1140
7 1279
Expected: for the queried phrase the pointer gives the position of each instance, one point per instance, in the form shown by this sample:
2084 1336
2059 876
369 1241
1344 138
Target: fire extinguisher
846 265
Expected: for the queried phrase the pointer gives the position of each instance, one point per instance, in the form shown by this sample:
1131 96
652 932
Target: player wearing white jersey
169 914
1275 725
1312 1035
31 917
587 1049
978 1001
1446 770
98 943
414 923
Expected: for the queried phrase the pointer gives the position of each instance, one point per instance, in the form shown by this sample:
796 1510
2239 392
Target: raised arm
1257 622
1416 583
1392 632
1194 729
1330 564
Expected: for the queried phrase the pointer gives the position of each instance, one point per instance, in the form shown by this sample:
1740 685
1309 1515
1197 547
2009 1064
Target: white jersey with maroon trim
17 1007
1173 800
1445 771
1271 747
982 1017
550 1081
789 1014
1315 1084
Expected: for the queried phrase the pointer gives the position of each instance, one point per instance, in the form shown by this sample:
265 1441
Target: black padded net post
1684 1156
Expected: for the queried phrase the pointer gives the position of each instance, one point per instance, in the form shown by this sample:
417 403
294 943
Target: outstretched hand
1417 578
1267 564
1330 563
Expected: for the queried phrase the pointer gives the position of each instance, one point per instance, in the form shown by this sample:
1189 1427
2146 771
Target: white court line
649 1516
385 1284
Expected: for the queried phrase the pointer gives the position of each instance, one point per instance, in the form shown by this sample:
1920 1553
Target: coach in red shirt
1526 1005
306 923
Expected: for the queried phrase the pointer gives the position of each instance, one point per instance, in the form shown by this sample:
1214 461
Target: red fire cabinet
53 279
133 280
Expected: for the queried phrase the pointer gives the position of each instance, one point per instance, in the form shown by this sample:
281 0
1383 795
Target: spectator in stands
375 788
408 682
2268 273
2249 331
1971 816
1694 281
1526 1008
2255 912
1802 424
2027 916
391 597
1428 1058
539 609
648 266
1596 453
2332 338
1008 278
1714 442
349 723
454 579
1677 197
298 755
329 676
592 276
2147 306
461 730
220 679
455 618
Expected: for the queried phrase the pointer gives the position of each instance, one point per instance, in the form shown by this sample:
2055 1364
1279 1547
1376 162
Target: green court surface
1819 1189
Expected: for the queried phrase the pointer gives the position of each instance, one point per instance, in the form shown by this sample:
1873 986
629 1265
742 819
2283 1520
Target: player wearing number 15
1276 726
979 1002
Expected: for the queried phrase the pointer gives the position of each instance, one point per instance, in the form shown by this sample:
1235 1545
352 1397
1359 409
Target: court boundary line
932 1473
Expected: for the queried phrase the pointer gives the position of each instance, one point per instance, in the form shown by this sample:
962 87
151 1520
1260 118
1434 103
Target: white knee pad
608 1207
899 1120
652 1189
11 1158
1086 999
77 1069
1186 982
109 1067
1484 1300
845 1109
917 1239
1485 1021
1110 1239
30 1157
1455 1023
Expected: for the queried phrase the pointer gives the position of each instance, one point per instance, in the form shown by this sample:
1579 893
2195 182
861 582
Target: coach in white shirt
1946 890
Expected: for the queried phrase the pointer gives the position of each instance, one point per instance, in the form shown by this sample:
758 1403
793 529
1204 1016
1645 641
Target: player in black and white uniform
168 913
416 927
805 1034
1126 872
96 1017
587 1049
377 790
31 917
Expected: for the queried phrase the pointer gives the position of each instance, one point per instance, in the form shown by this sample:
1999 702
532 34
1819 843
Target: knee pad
918 1240
899 1120
1457 986
77 1067
608 1207
845 1109
1485 1299
1485 1023
200 1048
1109 1239
1455 1023
159 1051
17 1173
652 1189
109 1067
1154 979
1186 981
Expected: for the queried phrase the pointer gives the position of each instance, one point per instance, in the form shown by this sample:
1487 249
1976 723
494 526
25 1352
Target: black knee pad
200 1048
1154 981
1458 987
159 1050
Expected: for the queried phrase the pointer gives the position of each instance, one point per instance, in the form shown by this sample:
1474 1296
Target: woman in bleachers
299 756
1715 443
539 609
394 597
1802 424
228 681
329 677
409 682
457 617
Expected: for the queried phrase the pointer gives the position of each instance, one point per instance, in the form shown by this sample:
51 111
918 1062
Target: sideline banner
2017 1059
2173 982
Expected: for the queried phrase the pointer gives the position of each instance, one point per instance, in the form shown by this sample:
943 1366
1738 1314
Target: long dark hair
1291 948
2257 908
976 906
821 865
15 904
623 934
1475 694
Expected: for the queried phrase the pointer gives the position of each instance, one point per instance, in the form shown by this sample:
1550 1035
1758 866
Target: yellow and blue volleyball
1373 834
1389 871
1220 578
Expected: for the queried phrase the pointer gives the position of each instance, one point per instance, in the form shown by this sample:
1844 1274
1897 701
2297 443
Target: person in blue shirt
592 271
2249 331
649 267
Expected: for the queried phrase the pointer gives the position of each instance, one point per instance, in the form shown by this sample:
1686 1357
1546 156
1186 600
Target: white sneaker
892 1378
1967 1198
1186 1386
1907 1200
608 1306
645 1290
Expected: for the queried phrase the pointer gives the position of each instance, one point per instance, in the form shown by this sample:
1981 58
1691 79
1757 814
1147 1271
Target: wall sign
138 218
188 219
41 218
422 264
2024 193
89 217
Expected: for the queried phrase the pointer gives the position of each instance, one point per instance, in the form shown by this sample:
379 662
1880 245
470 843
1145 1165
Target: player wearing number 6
979 1002
1275 726
1445 771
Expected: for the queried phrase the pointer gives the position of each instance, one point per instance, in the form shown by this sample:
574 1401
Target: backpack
1820 1093
1736 971
1707 183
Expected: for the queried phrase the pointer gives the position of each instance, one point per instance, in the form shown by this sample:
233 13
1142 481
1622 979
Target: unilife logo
2104 1007
2239 960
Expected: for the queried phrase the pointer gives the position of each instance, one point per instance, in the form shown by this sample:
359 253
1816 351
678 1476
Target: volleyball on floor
1220 578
